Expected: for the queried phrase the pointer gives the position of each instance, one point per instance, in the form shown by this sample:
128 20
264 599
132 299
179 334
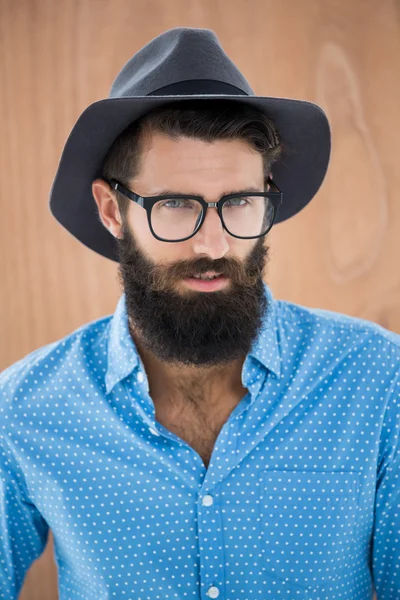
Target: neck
173 382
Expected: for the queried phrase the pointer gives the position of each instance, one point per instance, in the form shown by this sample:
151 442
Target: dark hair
202 119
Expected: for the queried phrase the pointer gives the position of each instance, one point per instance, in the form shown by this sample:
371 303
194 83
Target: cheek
139 225
241 249
137 217
155 250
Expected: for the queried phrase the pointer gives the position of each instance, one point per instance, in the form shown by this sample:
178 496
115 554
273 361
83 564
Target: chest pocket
308 521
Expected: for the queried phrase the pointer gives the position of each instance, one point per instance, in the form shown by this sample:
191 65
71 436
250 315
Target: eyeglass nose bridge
203 213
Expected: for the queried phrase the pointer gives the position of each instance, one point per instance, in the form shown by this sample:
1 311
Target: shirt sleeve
386 535
23 531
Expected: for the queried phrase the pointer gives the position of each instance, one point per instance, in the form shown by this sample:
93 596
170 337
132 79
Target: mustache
161 277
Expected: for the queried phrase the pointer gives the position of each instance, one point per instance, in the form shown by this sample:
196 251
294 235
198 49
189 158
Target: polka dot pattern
301 498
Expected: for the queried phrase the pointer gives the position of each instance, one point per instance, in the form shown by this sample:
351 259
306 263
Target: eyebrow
225 193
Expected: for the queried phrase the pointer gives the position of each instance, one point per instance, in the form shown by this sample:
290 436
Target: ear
107 206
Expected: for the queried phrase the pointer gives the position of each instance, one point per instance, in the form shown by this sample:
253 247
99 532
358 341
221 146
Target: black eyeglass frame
148 202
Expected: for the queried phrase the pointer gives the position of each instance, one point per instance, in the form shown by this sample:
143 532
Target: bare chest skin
200 434
198 428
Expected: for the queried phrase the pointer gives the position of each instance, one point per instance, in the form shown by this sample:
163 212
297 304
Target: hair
200 119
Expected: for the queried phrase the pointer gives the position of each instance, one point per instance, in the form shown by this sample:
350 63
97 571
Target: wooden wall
339 253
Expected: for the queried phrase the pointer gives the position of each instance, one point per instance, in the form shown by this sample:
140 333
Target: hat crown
178 55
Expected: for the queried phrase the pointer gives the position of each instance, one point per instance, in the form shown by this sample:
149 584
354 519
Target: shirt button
153 431
140 377
208 501
213 592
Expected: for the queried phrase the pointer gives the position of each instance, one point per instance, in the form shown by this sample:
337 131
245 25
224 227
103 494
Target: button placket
211 545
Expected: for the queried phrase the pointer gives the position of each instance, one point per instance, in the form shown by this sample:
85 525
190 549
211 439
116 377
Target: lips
208 274
207 286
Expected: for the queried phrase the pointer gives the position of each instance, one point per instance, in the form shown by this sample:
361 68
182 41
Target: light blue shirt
300 501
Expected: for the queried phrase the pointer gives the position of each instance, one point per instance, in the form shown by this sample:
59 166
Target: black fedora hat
181 64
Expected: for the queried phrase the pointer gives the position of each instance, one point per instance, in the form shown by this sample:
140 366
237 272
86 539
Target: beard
192 328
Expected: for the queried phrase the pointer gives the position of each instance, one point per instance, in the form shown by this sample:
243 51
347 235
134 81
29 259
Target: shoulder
337 330
40 371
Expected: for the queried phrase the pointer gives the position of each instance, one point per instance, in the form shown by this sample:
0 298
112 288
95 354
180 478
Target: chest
199 432
199 428
197 424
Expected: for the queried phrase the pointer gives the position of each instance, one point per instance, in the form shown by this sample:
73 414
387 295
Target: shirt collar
266 349
122 356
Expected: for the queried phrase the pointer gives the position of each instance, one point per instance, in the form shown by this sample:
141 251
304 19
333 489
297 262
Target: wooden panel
340 252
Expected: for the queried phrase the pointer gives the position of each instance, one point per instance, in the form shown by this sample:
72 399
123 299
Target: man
207 440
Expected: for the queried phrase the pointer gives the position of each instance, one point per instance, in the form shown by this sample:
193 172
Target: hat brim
303 129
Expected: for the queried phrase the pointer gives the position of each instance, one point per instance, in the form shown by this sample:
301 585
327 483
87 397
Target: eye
175 203
238 201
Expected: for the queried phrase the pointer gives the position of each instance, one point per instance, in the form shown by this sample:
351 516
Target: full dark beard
192 328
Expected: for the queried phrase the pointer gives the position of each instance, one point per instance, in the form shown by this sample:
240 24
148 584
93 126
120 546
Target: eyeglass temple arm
120 188
272 182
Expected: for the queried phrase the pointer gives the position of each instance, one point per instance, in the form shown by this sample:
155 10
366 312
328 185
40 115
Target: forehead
165 160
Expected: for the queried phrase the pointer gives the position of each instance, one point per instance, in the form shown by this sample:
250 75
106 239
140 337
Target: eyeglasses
178 217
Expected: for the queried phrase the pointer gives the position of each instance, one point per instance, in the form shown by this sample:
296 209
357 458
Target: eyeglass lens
177 218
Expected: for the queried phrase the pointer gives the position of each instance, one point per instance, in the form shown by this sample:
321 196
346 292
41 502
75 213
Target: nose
211 239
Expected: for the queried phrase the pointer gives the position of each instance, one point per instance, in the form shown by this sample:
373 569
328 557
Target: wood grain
341 252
